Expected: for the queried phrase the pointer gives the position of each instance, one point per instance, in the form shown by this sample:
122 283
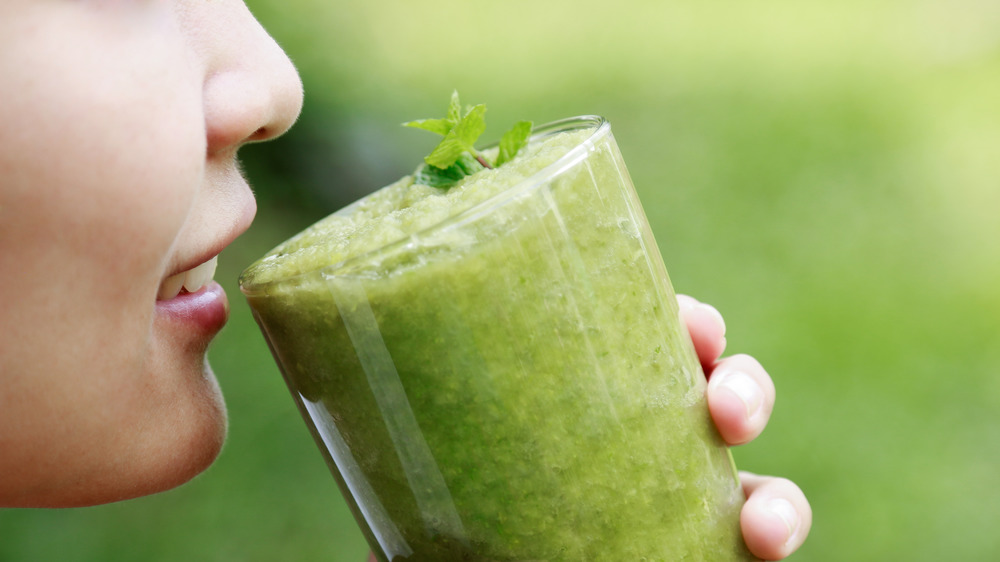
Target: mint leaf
469 164
454 108
437 177
446 153
460 139
471 126
433 176
512 141
456 156
439 126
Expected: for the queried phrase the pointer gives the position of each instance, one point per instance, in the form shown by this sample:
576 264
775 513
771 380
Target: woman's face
121 120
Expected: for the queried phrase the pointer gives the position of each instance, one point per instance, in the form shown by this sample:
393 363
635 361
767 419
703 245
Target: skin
122 119
776 517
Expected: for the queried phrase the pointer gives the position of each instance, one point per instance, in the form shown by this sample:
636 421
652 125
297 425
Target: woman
118 188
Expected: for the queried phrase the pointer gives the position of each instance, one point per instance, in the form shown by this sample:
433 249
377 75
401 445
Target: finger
371 557
740 398
706 326
776 517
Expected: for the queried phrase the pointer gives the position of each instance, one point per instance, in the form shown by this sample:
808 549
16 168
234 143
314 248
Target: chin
181 444
188 446
169 443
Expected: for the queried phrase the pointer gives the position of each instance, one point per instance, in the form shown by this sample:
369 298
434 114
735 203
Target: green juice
497 371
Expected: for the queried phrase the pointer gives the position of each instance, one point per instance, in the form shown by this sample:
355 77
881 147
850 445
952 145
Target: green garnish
456 156
512 141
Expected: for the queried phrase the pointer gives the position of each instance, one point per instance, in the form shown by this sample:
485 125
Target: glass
513 383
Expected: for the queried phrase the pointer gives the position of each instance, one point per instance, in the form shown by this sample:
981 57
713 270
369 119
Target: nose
252 91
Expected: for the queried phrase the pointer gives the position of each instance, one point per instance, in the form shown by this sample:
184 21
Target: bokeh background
826 173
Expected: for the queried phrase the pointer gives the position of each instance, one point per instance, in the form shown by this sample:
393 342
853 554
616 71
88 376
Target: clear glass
514 382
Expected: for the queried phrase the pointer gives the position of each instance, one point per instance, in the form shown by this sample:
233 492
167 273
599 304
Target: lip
199 315
224 239
204 311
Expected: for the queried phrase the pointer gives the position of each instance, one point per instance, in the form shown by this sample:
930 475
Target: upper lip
239 226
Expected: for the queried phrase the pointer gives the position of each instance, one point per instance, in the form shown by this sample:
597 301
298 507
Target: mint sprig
456 156
512 141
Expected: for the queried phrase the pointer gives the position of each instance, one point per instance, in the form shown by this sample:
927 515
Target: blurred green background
826 173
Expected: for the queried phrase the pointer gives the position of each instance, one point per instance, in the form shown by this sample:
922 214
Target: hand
776 517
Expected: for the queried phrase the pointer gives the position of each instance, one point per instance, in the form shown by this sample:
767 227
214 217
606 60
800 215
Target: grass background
826 173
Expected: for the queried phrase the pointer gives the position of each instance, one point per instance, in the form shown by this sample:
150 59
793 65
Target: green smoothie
496 371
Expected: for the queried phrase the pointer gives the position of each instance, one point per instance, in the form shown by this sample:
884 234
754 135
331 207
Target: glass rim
601 127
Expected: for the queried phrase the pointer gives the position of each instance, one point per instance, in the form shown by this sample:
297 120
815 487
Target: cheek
103 156
99 171
96 190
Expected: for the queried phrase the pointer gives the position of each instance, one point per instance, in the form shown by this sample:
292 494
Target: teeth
197 277
190 280
171 287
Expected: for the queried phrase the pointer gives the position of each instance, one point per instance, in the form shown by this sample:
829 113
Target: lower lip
205 310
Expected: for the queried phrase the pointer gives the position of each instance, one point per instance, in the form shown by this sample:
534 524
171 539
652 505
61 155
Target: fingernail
712 311
686 303
744 387
787 513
